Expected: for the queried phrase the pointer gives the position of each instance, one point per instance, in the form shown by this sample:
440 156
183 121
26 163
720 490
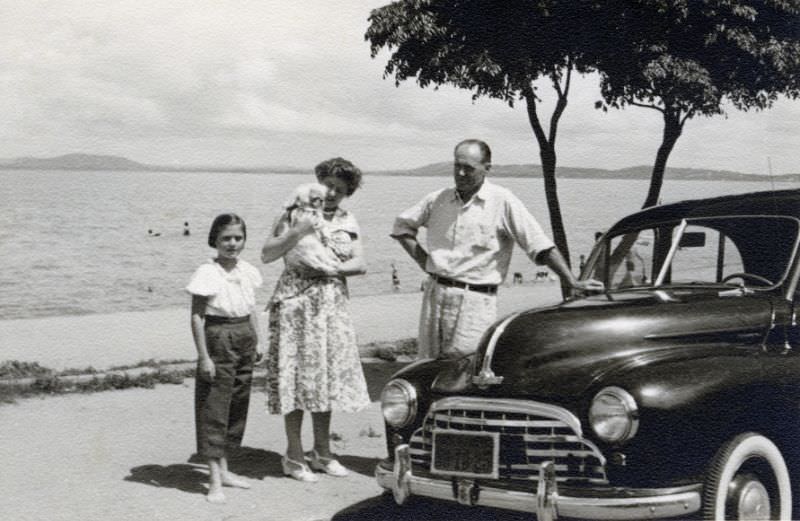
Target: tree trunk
547 153
548 156
672 131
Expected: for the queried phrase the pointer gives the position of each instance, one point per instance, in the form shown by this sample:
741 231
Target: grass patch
150 363
390 351
17 369
76 371
51 384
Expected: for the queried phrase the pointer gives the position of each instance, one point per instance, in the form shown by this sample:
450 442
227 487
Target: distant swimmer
151 234
186 228
395 278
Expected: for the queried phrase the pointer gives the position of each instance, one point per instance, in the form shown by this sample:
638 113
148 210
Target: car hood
561 351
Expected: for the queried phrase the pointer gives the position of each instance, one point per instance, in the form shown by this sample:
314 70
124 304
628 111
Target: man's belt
491 289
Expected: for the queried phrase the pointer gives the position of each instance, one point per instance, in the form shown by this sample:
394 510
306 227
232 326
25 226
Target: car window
631 259
704 255
755 251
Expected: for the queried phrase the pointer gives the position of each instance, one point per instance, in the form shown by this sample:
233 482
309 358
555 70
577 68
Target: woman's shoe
327 465
297 470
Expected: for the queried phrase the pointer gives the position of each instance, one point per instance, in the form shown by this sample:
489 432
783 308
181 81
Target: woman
313 363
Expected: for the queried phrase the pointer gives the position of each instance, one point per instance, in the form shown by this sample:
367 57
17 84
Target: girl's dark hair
220 222
341 169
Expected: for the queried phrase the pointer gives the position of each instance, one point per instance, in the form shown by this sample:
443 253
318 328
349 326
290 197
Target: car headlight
614 416
399 402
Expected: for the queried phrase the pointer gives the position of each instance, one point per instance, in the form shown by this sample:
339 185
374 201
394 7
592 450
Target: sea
82 242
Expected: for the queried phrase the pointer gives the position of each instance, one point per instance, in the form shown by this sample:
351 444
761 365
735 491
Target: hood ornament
486 376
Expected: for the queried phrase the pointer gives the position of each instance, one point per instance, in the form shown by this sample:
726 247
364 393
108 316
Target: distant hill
107 163
567 172
75 162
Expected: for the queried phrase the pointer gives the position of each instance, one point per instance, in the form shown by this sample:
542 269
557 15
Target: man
471 230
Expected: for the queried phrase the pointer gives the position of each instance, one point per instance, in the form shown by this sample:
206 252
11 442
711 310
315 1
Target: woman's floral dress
313 362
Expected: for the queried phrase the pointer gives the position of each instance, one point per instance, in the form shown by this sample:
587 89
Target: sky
290 83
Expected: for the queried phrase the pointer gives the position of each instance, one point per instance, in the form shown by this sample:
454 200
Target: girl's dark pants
221 405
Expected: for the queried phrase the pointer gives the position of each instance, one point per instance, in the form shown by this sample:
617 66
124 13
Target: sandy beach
125 455
102 341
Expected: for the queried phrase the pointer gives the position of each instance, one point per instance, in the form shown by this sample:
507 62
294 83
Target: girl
224 327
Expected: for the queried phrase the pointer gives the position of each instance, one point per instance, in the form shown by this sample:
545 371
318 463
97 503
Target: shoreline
126 338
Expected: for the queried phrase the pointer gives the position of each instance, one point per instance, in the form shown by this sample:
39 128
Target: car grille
530 434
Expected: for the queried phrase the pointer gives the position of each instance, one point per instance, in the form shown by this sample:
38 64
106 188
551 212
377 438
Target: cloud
275 82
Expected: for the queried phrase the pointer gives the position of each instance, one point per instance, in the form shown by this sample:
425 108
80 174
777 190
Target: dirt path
123 455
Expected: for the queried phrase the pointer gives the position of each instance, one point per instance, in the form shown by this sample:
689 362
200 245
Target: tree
680 57
494 49
686 58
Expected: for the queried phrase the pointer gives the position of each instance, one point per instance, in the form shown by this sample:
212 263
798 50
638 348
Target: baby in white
312 249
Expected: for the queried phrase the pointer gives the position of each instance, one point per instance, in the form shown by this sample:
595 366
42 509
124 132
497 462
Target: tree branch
569 77
689 114
561 104
533 116
646 106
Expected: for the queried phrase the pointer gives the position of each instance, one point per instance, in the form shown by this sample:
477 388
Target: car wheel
747 479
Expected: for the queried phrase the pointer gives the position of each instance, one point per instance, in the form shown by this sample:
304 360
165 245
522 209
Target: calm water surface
77 242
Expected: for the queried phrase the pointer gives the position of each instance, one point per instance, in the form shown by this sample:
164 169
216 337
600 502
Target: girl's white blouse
230 294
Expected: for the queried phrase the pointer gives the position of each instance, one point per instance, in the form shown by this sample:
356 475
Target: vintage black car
673 393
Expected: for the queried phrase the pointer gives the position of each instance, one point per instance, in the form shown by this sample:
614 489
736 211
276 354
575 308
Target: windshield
741 251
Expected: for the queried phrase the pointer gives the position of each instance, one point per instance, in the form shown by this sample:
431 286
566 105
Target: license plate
468 454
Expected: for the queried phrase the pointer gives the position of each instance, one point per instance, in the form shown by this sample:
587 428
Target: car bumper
545 501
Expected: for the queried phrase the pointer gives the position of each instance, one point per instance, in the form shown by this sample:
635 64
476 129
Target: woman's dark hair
220 222
341 169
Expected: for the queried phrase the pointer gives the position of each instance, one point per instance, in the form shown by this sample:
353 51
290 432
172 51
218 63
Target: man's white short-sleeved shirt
473 241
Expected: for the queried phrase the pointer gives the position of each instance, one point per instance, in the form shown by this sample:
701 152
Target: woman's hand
305 223
206 369
285 236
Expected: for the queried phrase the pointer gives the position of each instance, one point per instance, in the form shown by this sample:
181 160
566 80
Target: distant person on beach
225 330
395 278
313 362
471 231
312 250
151 233
186 231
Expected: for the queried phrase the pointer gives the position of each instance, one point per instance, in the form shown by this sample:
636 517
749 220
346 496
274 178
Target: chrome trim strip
496 422
647 504
509 405
676 239
486 376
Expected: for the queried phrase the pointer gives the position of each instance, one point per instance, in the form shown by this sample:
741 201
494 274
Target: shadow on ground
181 476
246 461
383 508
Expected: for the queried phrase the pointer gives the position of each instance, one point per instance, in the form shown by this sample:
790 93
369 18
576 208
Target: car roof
770 202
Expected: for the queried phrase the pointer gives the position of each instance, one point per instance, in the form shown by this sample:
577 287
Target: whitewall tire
747 480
